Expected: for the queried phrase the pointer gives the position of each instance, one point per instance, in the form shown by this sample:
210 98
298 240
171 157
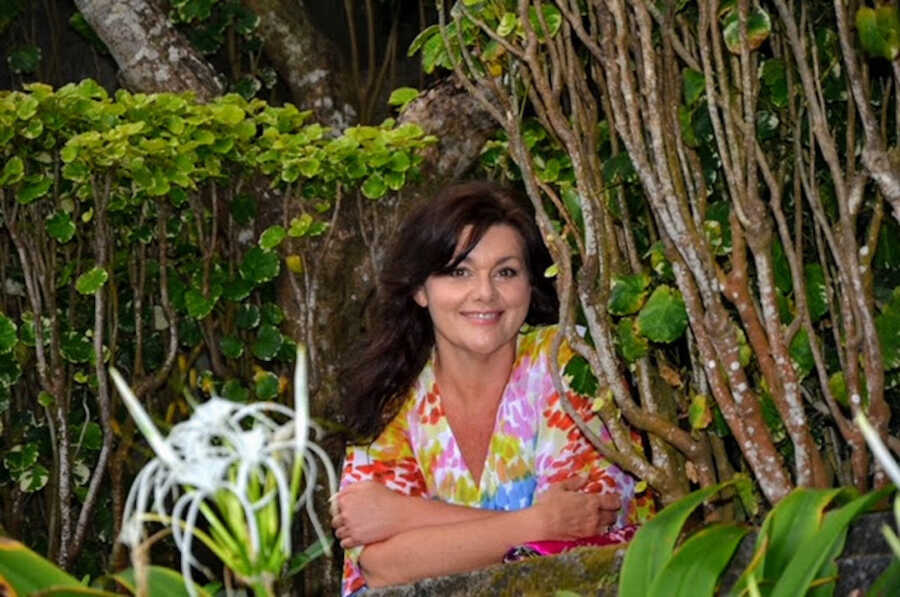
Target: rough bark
305 59
151 54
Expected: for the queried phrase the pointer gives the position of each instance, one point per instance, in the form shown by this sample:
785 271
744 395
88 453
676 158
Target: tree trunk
306 60
151 54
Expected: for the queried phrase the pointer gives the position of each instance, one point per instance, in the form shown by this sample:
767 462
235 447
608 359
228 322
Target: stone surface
594 571
585 571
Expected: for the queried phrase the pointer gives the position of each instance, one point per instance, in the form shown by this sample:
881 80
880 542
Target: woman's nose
485 287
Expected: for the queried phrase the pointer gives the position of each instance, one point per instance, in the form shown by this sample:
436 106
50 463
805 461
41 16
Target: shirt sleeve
562 451
389 460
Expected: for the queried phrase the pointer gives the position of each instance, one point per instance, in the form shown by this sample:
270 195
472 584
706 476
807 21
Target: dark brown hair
399 342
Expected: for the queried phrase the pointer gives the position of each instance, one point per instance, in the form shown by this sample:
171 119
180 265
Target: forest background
718 183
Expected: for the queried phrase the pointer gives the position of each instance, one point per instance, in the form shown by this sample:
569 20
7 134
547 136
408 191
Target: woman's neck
473 379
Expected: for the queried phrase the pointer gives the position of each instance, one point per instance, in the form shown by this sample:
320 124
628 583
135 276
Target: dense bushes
150 230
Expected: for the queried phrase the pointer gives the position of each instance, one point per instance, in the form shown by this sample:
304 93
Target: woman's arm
368 512
482 537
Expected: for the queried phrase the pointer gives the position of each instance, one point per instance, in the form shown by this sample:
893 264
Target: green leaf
20 457
13 171
10 370
618 169
197 305
300 225
92 438
887 581
631 343
579 376
816 291
28 573
374 186
272 314
268 342
227 114
879 30
259 266
663 318
775 79
766 124
628 294
552 17
91 281
837 385
76 171
428 33
402 96
654 542
801 354
61 227
299 561
694 84
33 479
266 387
8 334
75 347
699 413
696 566
686 124
823 546
247 86
237 290
272 237
783 279
160 581
508 24
243 209
233 390
231 346
24 60
759 26
248 317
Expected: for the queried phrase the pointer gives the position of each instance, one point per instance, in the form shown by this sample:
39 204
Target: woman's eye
508 272
458 272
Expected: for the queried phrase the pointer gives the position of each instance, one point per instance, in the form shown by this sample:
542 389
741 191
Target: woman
452 402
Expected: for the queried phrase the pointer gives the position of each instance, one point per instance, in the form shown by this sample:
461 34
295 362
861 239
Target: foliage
795 547
721 228
27 573
133 236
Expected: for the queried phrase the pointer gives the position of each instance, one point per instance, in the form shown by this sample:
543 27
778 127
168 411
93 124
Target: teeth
482 315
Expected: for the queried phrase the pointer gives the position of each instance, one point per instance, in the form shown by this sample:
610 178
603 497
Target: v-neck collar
430 387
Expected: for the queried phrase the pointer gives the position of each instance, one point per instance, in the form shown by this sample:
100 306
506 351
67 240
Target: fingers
572 483
609 501
606 518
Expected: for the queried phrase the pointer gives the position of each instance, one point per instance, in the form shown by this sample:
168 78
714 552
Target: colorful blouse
534 444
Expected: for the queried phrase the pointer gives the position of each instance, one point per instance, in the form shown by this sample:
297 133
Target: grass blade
696 566
653 544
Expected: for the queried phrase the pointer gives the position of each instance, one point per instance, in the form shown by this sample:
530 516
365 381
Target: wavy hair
394 351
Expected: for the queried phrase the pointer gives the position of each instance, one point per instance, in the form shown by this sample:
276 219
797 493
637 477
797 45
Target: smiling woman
464 450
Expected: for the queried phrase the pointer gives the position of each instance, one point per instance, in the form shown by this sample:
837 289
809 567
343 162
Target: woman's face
478 308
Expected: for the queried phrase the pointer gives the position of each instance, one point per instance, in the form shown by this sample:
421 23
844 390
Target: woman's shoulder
537 342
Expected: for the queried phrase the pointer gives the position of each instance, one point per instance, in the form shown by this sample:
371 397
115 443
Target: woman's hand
366 512
567 513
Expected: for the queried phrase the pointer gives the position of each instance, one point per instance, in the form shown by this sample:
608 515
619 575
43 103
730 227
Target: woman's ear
420 297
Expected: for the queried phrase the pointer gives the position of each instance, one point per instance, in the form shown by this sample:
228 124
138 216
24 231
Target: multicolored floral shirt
534 443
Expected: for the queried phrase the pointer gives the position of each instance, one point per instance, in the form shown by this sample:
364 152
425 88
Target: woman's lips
482 316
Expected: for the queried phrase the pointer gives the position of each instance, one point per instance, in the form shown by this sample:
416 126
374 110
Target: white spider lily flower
239 467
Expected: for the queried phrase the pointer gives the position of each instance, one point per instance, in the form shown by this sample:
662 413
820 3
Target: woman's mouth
482 316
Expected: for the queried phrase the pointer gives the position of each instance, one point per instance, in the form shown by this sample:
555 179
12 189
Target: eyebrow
502 260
